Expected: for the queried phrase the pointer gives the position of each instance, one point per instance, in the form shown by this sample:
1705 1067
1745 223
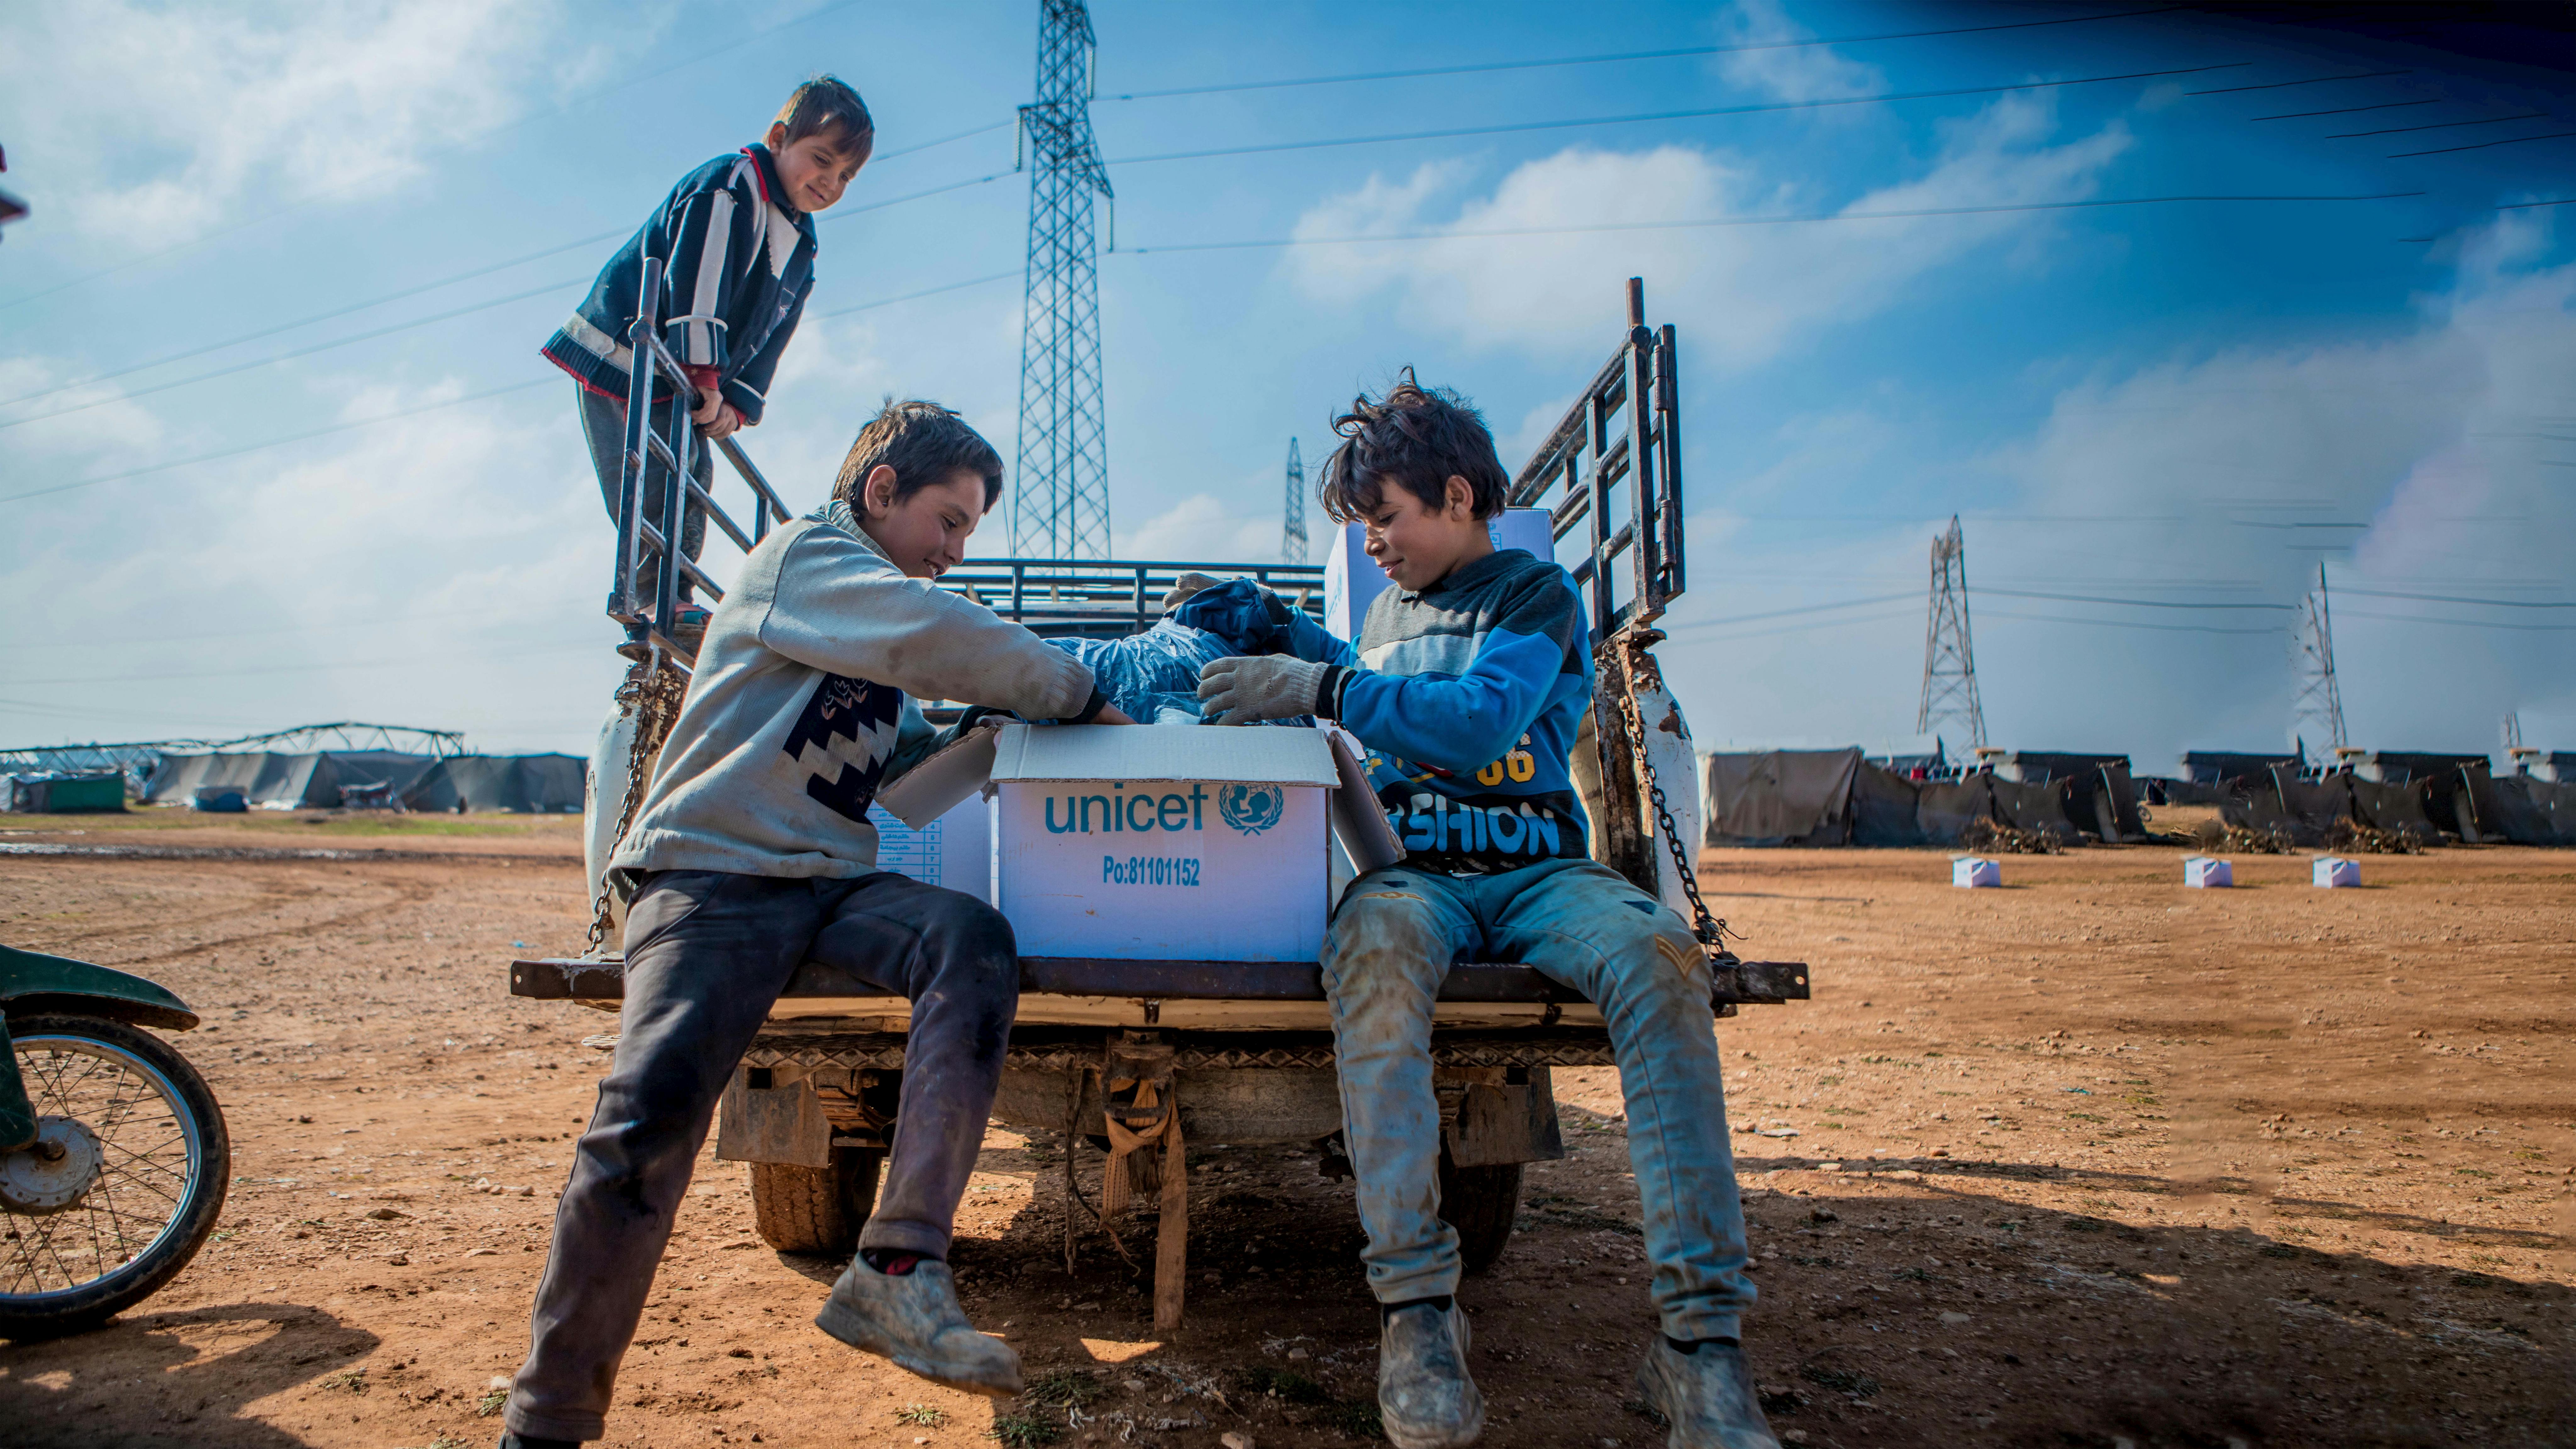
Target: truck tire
815 1209
1481 1203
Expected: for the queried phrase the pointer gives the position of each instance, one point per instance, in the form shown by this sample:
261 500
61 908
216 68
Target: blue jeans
1393 938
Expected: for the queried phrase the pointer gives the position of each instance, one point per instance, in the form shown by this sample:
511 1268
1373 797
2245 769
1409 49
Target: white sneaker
1706 1396
915 1321
1424 1394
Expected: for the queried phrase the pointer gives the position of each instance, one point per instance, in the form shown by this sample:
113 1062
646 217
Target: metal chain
1711 930
652 693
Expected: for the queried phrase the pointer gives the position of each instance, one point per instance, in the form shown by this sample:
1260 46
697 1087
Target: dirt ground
2087 1160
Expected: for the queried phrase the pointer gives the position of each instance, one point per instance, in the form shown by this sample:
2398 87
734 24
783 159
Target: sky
276 446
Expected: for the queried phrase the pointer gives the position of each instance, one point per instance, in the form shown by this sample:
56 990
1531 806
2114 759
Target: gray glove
1188 584
1247 689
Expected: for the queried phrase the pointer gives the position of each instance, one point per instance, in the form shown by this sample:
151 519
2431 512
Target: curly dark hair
1417 438
925 444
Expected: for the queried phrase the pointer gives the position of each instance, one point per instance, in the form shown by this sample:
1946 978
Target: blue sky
2189 403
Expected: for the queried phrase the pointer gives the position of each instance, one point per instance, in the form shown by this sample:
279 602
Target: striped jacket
1468 696
737 266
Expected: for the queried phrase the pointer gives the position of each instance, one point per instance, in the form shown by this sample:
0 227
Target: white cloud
1204 526
160 124
1758 286
2440 436
1800 73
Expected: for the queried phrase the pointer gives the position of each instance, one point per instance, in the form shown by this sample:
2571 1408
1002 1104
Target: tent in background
1778 797
2101 799
273 781
539 784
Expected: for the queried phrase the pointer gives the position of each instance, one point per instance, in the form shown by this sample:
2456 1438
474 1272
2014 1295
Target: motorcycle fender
31 983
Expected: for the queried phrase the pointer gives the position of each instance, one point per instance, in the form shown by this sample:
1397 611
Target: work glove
1247 689
1189 583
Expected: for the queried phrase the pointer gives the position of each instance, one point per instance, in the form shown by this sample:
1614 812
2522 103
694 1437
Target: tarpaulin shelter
2309 809
55 792
2216 767
527 784
2451 784
1883 810
1778 797
272 781
2528 810
2101 799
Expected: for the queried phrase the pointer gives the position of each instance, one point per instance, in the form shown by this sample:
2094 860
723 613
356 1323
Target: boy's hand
715 417
1111 714
1247 689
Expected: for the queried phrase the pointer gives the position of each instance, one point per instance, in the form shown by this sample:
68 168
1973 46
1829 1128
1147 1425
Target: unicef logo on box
1251 809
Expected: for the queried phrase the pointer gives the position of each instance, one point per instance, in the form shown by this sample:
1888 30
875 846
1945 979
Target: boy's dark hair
827 104
1417 438
924 444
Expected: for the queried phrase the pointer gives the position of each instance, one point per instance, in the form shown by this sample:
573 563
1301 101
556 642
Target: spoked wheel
122 1184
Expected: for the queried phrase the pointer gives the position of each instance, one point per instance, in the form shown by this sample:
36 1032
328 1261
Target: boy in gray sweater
751 854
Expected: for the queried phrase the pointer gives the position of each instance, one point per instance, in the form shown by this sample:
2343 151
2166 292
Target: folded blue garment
1153 677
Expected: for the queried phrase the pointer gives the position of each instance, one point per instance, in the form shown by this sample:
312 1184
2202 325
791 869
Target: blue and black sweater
737 265
1468 696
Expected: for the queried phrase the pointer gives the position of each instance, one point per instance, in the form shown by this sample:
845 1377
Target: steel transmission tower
2319 697
1060 508
1292 533
1949 664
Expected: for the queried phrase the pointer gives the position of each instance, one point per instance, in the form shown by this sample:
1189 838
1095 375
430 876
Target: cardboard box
1165 842
1975 871
2334 871
954 850
2201 872
1352 579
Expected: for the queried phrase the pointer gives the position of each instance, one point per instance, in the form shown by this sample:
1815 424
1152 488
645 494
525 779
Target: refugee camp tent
1924 757
2101 800
2528 810
273 781
2216 767
58 792
539 784
1778 797
1883 809
2308 810
1944 809
2452 784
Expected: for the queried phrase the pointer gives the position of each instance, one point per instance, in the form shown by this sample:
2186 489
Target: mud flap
763 1123
1502 1122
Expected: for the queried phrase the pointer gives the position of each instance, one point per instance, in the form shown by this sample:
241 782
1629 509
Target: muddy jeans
603 427
1394 937
706 956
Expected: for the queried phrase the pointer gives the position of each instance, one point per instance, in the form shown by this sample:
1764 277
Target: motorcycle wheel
123 1183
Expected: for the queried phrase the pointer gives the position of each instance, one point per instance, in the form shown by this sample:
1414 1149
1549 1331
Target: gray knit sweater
802 706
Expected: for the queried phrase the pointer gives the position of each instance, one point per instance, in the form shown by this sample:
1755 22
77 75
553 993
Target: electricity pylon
2319 698
1060 508
1949 664
1292 533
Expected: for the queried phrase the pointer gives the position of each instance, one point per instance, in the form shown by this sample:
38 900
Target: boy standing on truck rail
736 242
1468 686
751 854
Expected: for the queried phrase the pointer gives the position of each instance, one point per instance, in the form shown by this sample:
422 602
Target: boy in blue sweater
1468 686
736 242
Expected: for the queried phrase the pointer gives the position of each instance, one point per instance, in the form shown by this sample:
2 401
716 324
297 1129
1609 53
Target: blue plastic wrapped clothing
1153 677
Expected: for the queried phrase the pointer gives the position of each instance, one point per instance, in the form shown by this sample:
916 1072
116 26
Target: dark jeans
603 426
706 956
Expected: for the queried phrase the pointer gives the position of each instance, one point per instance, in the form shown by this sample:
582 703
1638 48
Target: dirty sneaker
1423 1392
913 1319
1707 1396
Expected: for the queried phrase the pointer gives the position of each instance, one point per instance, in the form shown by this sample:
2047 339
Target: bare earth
2088 1160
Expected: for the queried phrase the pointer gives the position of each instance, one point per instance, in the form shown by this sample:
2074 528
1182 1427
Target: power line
2127 624
2482 145
1523 126
1789 613
448 281
2464 623
845 213
2132 603
916 296
2347 110
1502 65
263 219
299 352
2311 81
1727 221
280 442
942 141
2436 126
2455 599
